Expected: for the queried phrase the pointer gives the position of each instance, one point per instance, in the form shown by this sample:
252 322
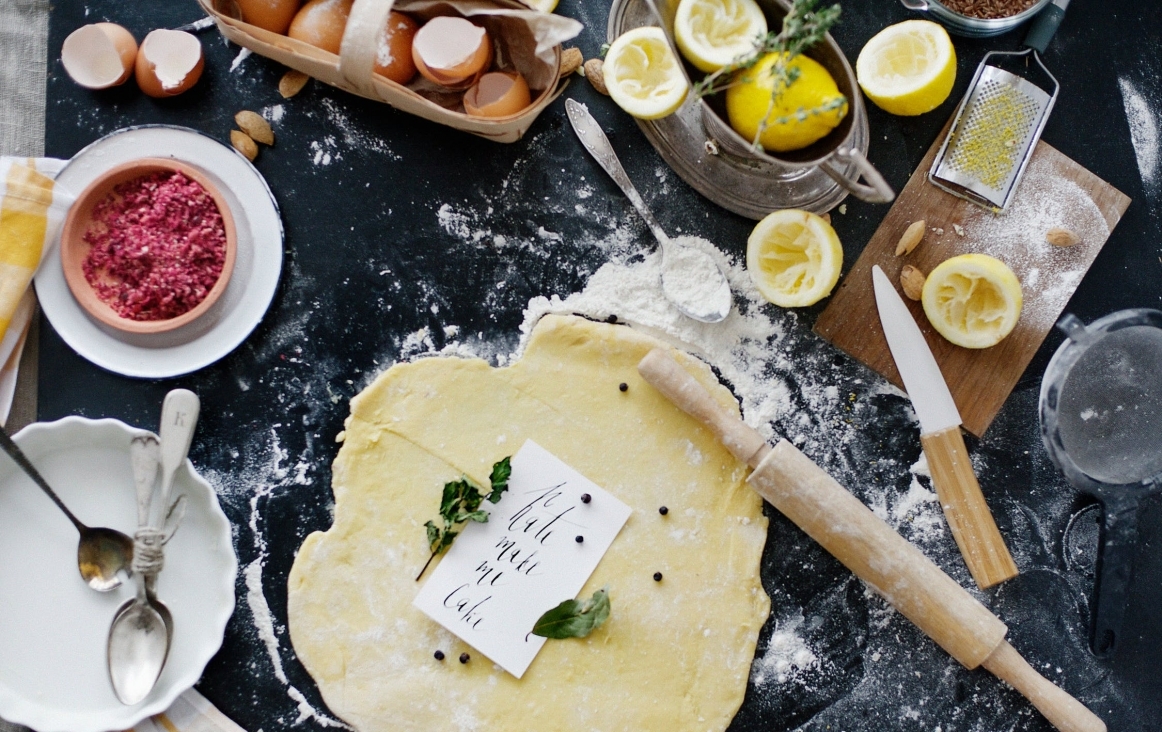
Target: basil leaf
573 618
499 478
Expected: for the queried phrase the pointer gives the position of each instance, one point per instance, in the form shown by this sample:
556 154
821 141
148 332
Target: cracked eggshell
169 63
452 52
99 55
498 94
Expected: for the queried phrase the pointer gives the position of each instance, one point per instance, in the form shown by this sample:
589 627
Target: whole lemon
806 110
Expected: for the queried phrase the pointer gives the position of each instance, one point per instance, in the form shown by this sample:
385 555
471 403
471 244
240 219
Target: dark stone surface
272 408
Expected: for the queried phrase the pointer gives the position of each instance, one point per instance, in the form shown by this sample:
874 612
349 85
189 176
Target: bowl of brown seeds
977 18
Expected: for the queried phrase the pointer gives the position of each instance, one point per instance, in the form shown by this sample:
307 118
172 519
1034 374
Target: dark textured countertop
361 188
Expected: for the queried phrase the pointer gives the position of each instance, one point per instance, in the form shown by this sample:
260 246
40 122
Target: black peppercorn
612 319
663 510
657 576
439 655
464 657
586 498
623 386
579 539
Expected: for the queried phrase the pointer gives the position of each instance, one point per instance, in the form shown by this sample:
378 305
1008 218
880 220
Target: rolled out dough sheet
675 655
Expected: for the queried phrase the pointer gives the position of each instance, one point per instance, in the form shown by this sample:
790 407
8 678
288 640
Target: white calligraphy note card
539 547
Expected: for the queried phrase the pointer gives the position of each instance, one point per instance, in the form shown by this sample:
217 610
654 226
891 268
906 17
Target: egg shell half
497 94
452 52
99 55
169 62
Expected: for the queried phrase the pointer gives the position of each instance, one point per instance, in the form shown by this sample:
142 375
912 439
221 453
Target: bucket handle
876 190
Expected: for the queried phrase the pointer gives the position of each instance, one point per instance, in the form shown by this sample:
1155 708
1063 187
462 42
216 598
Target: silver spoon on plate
102 554
691 280
142 629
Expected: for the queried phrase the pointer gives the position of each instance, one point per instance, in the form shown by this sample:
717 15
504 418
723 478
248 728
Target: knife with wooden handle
968 515
866 545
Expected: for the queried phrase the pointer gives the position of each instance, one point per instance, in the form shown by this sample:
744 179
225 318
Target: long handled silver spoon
101 553
690 278
139 637
142 631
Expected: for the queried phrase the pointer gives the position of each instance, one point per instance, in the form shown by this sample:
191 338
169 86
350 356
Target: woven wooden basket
529 42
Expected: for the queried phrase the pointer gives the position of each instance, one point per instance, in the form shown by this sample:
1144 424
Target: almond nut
912 237
243 144
571 60
291 83
1060 237
254 125
595 75
912 282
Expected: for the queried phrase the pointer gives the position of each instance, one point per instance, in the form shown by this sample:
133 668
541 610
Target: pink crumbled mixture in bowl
148 247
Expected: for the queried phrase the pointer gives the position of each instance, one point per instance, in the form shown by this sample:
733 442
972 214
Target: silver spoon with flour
691 280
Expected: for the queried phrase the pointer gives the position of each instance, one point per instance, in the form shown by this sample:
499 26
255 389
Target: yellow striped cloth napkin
191 712
32 209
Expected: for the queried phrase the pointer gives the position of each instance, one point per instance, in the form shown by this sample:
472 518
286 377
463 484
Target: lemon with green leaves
796 102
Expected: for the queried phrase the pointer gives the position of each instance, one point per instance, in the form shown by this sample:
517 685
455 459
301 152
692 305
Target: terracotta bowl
74 249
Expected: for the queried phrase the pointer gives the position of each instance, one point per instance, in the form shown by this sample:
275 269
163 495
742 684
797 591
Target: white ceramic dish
252 286
53 627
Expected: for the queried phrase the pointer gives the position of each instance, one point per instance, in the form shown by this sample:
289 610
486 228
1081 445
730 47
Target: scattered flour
691 277
787 655
1144 131
1049 274
242 56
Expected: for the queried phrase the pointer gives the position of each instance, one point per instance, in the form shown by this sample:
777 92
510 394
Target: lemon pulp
794 258
713 33
643 75
908 68
973 300
805 111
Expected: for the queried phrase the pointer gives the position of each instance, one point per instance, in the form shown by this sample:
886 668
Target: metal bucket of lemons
695 136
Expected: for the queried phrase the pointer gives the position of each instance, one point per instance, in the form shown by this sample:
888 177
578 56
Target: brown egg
498 94
321 23
99 56
452 51
394 56
169 62
272 15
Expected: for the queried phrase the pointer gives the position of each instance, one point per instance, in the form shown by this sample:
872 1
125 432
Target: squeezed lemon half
643 75
973 300
794 258
908 68
713 33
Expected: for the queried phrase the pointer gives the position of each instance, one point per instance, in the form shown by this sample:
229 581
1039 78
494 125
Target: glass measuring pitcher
1101 421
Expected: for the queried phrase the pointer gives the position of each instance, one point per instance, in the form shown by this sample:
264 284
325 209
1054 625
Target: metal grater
996 128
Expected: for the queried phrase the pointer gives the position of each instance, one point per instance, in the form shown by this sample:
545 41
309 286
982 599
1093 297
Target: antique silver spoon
101 553
690 278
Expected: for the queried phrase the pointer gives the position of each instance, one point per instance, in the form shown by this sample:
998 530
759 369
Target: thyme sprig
804 25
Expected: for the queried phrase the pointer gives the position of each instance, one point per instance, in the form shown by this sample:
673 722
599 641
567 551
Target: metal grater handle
1045 25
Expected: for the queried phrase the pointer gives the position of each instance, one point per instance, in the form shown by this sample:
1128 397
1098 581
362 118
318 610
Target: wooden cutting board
1055 192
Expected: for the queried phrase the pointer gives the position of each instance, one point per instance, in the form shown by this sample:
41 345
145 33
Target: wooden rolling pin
866 545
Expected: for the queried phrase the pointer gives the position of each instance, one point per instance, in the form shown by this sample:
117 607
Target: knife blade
968 515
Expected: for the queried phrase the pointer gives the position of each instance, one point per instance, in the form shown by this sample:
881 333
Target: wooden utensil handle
831 515
1062 710
968 515
662 372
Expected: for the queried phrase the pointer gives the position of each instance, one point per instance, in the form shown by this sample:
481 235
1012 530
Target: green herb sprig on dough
459 504
574 618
